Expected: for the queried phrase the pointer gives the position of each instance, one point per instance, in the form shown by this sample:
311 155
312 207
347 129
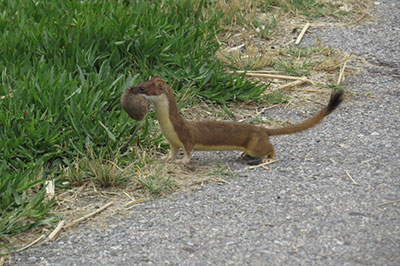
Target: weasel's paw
168 158
183 161
250 160
268 160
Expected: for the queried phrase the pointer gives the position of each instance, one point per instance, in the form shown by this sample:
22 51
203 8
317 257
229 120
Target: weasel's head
152 90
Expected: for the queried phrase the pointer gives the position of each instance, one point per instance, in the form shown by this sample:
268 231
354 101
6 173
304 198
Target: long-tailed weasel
216 135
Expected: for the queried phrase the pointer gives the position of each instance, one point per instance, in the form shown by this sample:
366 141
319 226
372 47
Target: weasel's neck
171 122
173 109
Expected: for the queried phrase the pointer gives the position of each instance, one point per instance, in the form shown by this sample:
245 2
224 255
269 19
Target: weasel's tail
334 102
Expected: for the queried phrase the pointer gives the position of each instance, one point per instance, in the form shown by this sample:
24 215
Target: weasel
216 135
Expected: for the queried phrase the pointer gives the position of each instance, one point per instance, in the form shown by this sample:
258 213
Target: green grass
63 67
156 184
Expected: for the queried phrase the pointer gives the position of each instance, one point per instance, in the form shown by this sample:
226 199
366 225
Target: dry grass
261 37
146 178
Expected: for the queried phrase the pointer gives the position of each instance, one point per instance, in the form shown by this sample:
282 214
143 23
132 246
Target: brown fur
214 135
135 105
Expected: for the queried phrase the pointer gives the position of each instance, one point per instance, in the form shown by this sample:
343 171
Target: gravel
304 210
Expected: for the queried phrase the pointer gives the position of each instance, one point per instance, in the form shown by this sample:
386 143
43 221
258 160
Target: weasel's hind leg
256 150
258 147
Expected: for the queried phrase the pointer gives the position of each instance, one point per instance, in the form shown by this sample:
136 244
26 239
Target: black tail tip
335 100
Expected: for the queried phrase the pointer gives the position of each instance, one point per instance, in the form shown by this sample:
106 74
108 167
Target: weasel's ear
159 84
157 77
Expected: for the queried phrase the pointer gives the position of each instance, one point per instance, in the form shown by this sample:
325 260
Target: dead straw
342 69
388 202
351 178
133 203
292 84
261 165
88 215
303 31
270 76
32 243
56 231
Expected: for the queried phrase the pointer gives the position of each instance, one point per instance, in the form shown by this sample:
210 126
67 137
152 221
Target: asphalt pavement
332 199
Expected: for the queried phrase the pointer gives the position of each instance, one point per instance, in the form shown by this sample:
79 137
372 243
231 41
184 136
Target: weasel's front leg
187 152
173 154
186 158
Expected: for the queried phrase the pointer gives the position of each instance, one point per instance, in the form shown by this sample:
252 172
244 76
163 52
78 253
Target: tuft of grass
156 183
334 86
276 97
253 59
97 168
75 173
22 202
221 171
294 66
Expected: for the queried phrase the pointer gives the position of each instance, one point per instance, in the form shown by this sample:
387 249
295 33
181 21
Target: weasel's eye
141 88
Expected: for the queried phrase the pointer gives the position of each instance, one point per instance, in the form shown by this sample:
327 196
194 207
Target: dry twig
351 178
270 76
314 90
292 84
56 231
257 71
303 31
133 203
261 165
88 215
32 243
129 196
341 74
220 180
388 202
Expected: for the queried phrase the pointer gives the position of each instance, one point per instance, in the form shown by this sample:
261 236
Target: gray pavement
304 210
